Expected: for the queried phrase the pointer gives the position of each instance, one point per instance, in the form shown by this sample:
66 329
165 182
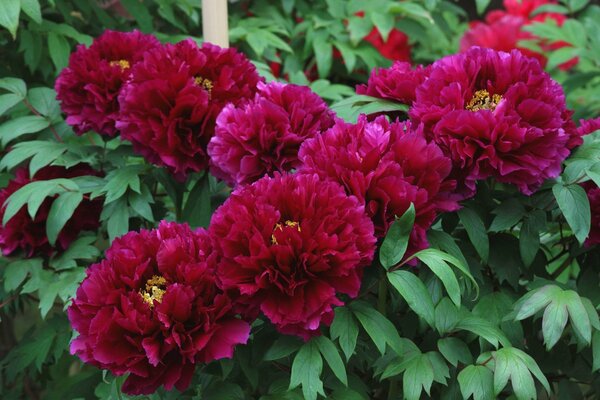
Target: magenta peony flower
593 194
263 136
288 245
22 232
169 107
89 86
386 166
397 83
587 126
152 309
496 114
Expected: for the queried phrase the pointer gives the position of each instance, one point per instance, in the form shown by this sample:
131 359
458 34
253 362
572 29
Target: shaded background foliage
527 325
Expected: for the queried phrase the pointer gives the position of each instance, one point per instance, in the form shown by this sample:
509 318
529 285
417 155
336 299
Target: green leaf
350 108
140 13
476 232
575 206
118 181
9 15
443 271
323 54
447 316
197 210
384 22
7 101
441 372
81 249
61 211
532 367
345 329
536 301
476 381
44 101
455 351
16 272
32 8
484 329
378 327
596 351
396 240
578 315
529 236
508 366
508 214
141 204
418 376
413 290
331 354
14 85
14 128
482 5
348 55
554 322
282 347
443 241
118 218
59 49
306 371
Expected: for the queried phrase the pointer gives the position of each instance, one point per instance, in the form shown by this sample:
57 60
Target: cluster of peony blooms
312 194
503 29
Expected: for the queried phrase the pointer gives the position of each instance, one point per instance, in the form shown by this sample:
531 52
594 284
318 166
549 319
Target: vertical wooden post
214 22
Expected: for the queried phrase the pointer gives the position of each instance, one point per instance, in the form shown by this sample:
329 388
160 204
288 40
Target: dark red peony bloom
593 194
263 136
288 245
152 309
386 166
587 126
395 48
88 88
170 105
496 114
397 83
503 29
22 232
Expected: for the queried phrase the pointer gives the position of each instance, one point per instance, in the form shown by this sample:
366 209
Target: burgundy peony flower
386 166
169 107
288 245
22 232
587 126
397 83
496 114
152 309
263 136
502 30
593 194
89 86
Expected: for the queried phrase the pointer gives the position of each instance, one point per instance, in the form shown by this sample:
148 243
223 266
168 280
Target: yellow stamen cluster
204 83
279 226
483 101
124 64
155 290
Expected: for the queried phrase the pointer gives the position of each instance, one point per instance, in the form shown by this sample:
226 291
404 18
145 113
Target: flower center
124 64
204 83
155 290
483 101
280 228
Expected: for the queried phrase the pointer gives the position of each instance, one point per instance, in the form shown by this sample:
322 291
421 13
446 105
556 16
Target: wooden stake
214 22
